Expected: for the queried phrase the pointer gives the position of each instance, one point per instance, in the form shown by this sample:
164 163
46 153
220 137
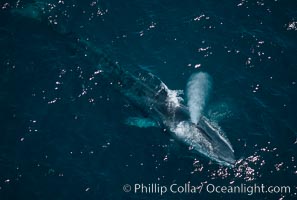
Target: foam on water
191 136
173 99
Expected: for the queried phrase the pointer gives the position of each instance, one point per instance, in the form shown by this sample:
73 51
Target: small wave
198 88
219 111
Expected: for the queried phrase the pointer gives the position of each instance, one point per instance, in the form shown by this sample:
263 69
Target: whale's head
206 139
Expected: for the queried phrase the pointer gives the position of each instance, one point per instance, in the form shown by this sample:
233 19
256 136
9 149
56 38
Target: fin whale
164 107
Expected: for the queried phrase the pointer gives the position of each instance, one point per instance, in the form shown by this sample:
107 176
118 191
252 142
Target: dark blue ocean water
62 134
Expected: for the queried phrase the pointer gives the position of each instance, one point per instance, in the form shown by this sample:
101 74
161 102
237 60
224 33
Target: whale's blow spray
198 87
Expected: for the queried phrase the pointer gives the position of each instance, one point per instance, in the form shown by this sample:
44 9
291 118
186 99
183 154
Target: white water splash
198 87
173 99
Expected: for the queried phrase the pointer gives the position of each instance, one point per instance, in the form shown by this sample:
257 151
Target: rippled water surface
62 133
